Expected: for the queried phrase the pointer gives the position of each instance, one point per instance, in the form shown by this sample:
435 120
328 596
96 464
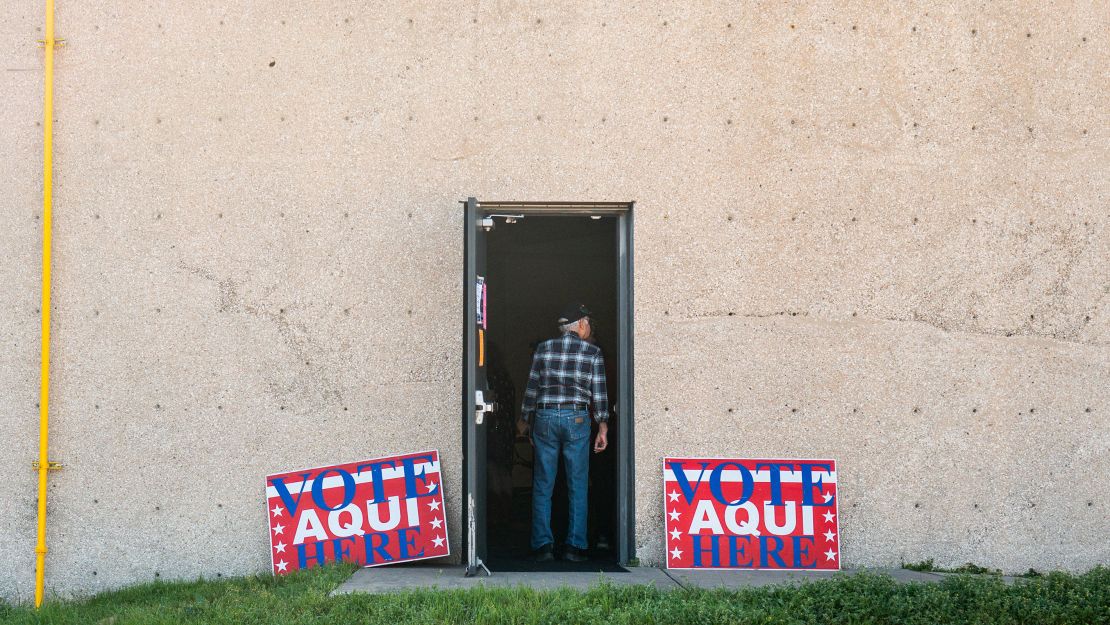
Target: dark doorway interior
534 267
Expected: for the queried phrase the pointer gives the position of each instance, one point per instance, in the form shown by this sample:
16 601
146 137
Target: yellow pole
44 371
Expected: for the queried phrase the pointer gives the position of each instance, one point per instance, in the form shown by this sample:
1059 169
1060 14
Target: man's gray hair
567 327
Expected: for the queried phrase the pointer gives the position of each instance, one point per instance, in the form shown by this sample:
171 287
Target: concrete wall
873 231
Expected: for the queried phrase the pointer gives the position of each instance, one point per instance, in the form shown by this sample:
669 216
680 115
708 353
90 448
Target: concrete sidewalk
416 576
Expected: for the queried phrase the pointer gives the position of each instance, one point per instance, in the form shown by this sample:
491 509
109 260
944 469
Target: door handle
481 407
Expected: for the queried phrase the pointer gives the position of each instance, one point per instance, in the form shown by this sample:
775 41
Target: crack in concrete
951 328
294 334
674 579
1056 294
718 313
936 323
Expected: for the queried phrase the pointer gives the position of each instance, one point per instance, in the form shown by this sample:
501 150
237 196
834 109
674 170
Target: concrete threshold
416 577
400 578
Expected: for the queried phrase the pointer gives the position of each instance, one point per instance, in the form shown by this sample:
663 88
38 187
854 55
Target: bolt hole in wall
534 267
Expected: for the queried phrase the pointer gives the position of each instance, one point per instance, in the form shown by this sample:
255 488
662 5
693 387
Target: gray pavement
418 576
396 578
750 579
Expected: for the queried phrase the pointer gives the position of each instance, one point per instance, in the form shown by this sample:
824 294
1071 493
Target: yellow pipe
44 371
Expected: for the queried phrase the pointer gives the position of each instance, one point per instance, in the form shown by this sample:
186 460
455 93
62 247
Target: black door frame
473 448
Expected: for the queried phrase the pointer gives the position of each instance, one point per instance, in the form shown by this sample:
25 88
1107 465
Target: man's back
568 369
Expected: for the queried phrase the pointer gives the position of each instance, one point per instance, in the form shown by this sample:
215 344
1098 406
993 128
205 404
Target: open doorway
530 260
539 264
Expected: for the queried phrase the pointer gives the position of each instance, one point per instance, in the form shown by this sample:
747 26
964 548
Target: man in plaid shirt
567 379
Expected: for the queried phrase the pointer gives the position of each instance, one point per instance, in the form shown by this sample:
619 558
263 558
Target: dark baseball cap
573 312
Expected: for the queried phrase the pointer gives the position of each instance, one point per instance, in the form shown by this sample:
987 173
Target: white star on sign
433 504
829 536
674 515
437 541
281 565
830 554
279 528
828 516
675 534
280 547
431 486
828 497
673 495
277 510
676 553
436 523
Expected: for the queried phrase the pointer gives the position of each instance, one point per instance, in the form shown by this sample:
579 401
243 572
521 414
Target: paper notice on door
480 304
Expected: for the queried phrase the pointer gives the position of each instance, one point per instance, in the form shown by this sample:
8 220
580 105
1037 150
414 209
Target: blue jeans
554 431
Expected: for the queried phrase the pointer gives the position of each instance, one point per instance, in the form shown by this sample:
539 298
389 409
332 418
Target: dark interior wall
535 267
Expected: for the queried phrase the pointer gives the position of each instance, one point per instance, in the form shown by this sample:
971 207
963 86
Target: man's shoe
574 554
543 554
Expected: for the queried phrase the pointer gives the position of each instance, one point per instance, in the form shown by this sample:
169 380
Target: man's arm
600 396
531 393
598 391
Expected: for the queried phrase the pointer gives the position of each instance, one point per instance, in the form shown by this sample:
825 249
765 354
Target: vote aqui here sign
375 512
751 514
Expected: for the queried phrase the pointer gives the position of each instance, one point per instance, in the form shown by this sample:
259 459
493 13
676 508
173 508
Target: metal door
626 502
477 399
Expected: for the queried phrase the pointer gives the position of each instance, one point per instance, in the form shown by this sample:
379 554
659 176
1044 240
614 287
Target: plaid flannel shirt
565 370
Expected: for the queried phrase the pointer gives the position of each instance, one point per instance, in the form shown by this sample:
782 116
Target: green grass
1055 598
927 566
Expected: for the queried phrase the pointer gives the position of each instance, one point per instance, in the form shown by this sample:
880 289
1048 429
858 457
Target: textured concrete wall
869 231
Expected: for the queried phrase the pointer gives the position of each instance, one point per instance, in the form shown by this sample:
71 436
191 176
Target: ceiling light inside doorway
509 219
595 216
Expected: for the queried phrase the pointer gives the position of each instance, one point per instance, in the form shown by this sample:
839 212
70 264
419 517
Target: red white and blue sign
751 514
375 512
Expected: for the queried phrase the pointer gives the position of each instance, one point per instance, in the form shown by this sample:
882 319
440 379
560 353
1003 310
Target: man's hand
602 440
522 429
